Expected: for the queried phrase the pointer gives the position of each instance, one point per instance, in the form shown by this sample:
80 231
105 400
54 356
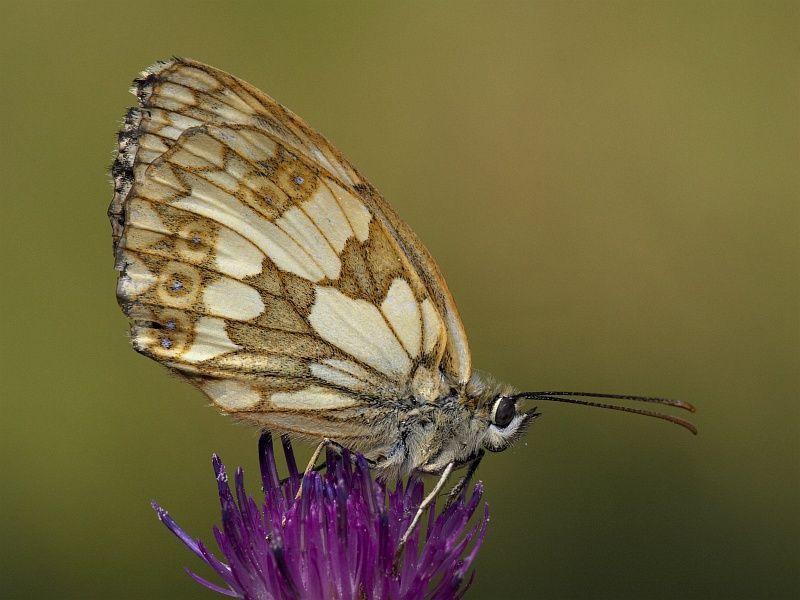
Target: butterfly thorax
428 434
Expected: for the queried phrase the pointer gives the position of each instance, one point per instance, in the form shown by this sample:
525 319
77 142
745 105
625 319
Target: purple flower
339 540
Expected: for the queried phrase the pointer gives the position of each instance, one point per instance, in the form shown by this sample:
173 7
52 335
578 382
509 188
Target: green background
611 190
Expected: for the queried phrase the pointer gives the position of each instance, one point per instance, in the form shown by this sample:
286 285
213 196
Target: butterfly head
507 422
497 418
498 414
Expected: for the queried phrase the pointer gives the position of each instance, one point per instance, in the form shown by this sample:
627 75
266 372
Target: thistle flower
339 540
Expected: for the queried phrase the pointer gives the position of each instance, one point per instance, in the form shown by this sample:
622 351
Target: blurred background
612 192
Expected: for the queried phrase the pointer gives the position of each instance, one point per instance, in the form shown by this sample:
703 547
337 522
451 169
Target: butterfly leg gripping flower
452 496
459 487
425 503
310 467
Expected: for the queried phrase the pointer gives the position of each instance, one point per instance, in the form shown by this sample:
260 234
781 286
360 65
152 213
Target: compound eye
503 411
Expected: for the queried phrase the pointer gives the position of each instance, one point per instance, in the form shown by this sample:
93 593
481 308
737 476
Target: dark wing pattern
258 263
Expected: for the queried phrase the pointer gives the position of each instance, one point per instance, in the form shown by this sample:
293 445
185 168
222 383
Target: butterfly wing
258 263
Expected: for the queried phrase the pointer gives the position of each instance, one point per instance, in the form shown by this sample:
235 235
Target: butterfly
256 262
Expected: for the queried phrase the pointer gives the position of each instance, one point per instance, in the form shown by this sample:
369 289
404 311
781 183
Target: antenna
573 398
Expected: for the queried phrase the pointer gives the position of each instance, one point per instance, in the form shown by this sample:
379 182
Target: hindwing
257 262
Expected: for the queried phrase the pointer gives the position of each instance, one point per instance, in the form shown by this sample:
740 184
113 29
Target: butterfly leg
425 503
310 467
464 481
312 464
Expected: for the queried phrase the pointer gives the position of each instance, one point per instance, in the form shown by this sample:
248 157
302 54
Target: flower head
340 539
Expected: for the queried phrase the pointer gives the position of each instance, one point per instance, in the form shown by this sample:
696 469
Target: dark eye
504 411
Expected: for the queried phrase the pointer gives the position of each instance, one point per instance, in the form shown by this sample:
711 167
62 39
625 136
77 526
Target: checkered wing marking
259 264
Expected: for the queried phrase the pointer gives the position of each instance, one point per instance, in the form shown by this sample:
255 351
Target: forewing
257 262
